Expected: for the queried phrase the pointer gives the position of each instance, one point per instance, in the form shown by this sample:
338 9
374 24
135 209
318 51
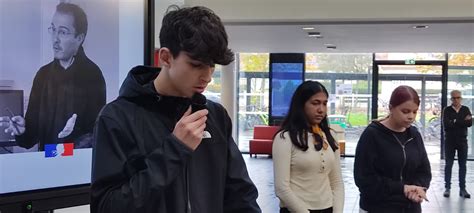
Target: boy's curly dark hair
199 32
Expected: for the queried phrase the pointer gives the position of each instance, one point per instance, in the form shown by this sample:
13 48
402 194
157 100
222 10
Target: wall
160 9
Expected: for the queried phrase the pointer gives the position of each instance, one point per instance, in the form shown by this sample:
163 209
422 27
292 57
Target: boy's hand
190 128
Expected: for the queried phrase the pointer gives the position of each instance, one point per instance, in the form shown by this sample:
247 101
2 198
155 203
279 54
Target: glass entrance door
426 80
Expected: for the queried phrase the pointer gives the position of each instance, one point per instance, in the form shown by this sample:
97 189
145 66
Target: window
253 90
346 77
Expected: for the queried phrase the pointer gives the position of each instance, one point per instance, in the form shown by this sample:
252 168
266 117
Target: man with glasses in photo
67 94
456 119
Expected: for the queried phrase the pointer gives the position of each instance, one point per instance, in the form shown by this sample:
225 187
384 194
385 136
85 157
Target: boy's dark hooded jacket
139 166
383 166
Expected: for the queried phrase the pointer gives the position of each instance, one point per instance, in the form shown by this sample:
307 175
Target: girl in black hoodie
391 166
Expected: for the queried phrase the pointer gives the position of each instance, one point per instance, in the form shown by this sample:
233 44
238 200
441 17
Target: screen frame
74 195
282 58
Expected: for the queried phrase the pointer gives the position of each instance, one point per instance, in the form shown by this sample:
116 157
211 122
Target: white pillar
229 95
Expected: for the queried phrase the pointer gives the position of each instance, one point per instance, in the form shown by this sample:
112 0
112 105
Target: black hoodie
139 166
383 165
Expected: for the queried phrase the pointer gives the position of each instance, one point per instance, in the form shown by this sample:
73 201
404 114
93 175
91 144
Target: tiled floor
261 172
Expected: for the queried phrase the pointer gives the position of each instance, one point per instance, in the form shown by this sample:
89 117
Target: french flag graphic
58 150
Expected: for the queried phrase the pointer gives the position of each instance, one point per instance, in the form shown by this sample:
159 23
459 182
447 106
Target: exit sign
410 61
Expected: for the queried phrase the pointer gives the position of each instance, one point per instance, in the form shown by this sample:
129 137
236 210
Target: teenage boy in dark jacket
158 149
456 119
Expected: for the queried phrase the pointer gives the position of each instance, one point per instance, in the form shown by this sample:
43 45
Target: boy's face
188 76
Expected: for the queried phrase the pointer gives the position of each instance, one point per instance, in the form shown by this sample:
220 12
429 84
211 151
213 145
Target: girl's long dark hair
296 123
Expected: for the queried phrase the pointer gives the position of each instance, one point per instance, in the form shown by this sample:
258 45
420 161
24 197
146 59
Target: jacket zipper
404 154
187 190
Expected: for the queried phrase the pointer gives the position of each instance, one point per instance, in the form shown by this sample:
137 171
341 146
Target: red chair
262 140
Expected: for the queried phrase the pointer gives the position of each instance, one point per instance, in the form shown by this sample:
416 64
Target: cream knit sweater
307 179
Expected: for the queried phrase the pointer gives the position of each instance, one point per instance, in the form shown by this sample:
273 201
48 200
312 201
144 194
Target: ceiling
352 37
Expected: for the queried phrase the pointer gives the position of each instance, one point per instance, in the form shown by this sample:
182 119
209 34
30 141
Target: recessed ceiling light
420 26
330 46
307 28
314 34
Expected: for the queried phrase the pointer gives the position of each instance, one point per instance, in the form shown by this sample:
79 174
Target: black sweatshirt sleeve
30 137
423 172
97 98
469 122
462 122
125 181
447 123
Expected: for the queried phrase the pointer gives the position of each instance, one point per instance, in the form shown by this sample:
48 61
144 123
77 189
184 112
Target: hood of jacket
412 130
138 87
138 82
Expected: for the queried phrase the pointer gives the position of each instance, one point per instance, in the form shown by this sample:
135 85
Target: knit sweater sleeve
337 184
